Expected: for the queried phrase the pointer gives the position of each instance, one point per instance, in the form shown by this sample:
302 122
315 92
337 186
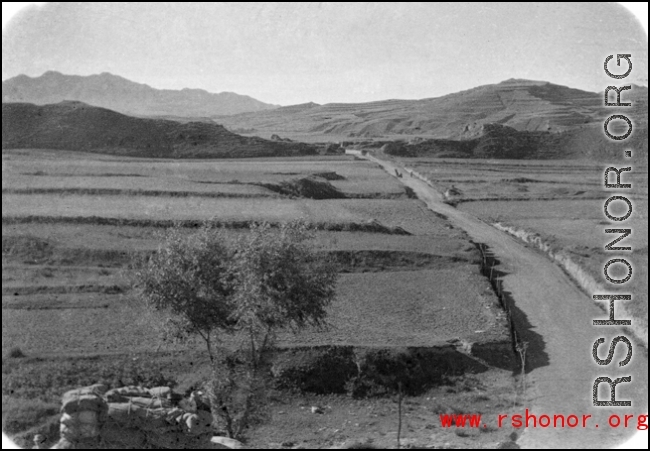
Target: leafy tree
242 288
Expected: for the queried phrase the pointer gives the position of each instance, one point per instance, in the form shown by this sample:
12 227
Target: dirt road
555 318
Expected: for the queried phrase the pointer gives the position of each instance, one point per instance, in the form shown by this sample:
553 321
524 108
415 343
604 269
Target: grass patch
132 192
330 175
308 187
369 226
15 353
46 379
19 414
32 387
65 289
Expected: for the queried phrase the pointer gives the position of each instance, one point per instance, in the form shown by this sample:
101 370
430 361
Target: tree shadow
521 330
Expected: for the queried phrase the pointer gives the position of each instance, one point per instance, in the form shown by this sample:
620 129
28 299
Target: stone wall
133 417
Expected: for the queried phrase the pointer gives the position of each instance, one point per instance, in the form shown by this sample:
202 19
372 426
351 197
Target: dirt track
555 318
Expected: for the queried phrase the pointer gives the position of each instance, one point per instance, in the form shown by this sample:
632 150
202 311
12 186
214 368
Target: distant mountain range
81 127
122 95
523 105
511 119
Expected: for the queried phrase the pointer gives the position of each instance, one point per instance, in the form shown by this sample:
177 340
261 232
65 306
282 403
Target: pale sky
326 52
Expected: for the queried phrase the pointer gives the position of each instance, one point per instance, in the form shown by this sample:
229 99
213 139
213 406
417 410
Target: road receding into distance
555 317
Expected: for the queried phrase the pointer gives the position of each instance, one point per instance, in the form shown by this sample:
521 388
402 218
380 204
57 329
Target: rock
189 405
141 417
120 394
87 417
316 410
38 440
229 442
100 389
73 429
131 415
82 399
191 421
160 392
174 415
83 413
150 403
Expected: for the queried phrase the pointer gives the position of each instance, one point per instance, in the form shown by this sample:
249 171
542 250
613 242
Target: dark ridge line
518 169
7 306
72 174
63 289
514 181
349 261
523 168
482 163
370 227
133 192
455 202
205 194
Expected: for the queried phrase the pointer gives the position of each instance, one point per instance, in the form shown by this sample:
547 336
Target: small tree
188 281
247 287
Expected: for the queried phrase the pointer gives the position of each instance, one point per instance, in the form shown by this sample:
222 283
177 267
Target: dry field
512 179
59 169
65 288
561 202
69 278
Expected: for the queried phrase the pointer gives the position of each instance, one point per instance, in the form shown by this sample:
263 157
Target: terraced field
559 203
512 179
60 169
64 270
72 222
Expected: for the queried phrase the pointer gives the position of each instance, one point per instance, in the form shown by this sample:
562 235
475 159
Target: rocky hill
503 142
81 127
523 105
119 94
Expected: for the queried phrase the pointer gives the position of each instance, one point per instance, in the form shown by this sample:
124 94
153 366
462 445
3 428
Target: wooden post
399 413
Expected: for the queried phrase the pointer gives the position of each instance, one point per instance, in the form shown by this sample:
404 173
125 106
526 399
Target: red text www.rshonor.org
527 419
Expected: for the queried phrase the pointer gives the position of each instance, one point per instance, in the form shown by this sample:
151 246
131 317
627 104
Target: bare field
416 308
141 183
49 168
48 267
404 213
519 180
572 222
439 240
14 276
377 309
561 202
577 228
66 300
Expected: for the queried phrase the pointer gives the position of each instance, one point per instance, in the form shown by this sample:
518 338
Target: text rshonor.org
530 420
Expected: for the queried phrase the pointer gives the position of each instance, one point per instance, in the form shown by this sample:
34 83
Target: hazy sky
326 52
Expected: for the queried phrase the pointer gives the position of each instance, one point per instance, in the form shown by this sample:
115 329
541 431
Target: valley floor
72 222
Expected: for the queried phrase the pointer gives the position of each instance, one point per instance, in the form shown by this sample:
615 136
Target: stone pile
133 417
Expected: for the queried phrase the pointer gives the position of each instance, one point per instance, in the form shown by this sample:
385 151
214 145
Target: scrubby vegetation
250 287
